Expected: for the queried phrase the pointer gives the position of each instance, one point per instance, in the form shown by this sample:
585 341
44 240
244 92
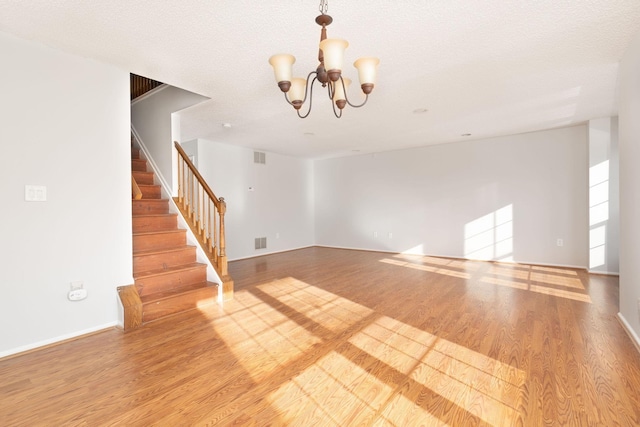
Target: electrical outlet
391 235
375 234
77 294
559 242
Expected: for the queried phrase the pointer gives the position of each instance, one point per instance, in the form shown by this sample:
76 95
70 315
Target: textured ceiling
483 67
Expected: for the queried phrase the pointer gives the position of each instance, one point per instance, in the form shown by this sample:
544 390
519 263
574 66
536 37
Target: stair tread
163 250
150 200
168 270
142 174
155 215
194 287
168 230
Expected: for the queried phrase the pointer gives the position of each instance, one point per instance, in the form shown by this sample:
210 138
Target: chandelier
329 72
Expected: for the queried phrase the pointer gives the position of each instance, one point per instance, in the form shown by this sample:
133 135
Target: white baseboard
56 340
604 273
386 251
271 253
350 248
627 327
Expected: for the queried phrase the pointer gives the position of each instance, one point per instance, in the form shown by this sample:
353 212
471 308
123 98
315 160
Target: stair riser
175 279
135 153
157 309
149 206
138 165
142 224
164 259
151 191
143 177
158 241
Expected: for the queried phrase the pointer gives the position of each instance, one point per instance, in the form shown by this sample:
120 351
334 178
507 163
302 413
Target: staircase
167 277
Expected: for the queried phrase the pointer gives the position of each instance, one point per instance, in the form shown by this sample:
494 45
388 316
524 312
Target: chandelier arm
306 88
338 113
287 99
333 104
366 98
346 97
310 95
330 89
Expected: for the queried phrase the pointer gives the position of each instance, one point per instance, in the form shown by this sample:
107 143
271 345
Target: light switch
35 193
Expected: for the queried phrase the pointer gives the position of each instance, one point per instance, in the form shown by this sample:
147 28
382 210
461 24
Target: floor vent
261 242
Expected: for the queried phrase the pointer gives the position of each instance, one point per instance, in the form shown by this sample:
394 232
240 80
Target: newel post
222 260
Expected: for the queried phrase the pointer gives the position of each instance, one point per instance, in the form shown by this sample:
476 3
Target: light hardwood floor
324 337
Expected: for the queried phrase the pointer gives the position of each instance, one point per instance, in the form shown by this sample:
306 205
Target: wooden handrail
195 172
204 212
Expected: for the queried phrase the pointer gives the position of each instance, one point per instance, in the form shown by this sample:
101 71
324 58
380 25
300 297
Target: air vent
259 157
261 242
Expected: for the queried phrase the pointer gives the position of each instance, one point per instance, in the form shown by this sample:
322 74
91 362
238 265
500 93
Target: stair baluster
205 214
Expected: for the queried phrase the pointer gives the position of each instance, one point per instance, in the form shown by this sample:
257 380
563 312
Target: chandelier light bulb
367 72
297 90
333 51
283 68
339 92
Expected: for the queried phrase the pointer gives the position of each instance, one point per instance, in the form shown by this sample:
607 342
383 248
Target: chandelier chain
324 6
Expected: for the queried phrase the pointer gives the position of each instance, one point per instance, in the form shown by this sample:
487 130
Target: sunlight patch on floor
561 293
543 280
554 270
428 268
461 264
508 272
270 338
537 288
554 279
329 310
377 374
335 389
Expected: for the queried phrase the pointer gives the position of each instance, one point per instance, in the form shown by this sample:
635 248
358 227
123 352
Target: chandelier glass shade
297 90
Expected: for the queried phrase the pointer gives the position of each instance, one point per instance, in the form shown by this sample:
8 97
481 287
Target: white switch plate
35 193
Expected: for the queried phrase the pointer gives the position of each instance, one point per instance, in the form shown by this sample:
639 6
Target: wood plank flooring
329 337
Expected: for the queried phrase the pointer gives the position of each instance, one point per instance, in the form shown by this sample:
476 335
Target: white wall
501 198
280 207
604 215
65 125
629 146
152 119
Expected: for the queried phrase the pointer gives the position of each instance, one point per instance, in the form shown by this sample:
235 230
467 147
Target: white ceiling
480 67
